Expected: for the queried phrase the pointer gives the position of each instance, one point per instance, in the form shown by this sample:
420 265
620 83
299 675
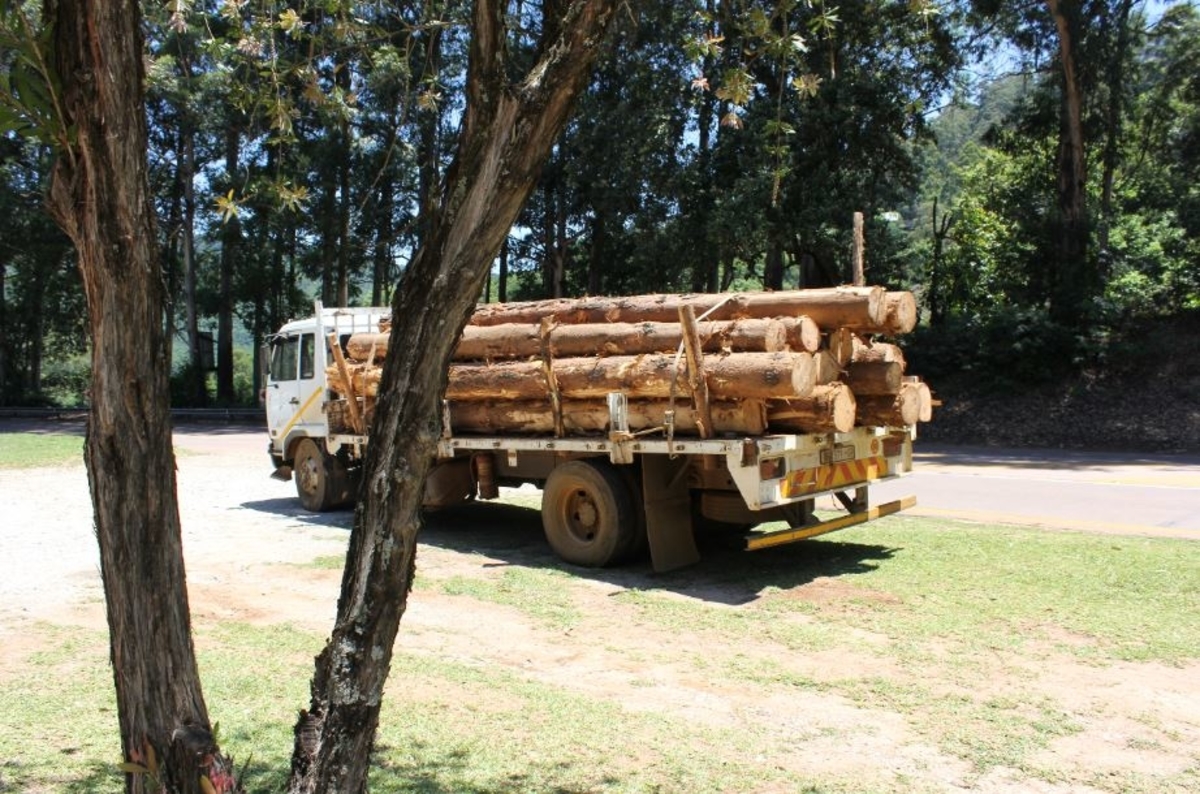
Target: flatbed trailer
605 497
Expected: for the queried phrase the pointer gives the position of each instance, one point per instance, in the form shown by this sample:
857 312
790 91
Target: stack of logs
802 361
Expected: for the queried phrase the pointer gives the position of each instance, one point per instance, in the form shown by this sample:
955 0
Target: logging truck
639 437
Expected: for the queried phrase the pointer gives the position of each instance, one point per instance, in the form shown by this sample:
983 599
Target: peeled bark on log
733 376
901 313
829 409
514 341
875 378
697 383
858 308
533 417
894 410
877 352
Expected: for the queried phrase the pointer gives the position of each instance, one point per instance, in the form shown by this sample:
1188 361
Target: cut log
927 401
342 369
829 409
802 333
841 346
733 376
746 417
893 410
901 313
874 377
514 341
877 352
828 370
858 308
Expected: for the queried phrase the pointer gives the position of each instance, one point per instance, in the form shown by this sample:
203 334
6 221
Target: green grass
31 450
544 595
931 616
1097 597
446 726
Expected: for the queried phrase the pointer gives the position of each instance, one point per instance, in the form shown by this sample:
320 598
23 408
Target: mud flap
668 512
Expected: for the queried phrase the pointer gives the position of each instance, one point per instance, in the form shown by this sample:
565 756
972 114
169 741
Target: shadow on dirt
511 535
290 507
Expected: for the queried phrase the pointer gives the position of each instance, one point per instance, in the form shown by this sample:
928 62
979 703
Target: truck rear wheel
322 482
589 514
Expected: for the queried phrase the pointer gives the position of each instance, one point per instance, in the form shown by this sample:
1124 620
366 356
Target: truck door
293 390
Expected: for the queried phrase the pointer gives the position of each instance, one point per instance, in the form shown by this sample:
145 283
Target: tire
589 514
318 483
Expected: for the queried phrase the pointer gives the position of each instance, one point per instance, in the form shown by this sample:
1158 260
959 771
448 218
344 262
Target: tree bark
505 137
100 196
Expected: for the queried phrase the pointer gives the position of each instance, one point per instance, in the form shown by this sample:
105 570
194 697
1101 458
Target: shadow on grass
726 573
427 771
424 771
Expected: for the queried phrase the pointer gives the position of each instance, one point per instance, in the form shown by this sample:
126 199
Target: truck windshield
292 356
283 358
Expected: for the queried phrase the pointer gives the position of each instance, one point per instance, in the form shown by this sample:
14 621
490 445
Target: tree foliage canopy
718 145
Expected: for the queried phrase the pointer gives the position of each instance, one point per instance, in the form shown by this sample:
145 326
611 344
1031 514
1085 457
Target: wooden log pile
704 365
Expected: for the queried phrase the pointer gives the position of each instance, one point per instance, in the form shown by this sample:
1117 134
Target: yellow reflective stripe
825 478
300 412
768 539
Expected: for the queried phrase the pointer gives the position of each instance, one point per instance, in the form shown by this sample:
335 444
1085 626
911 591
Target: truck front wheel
588 514
322 482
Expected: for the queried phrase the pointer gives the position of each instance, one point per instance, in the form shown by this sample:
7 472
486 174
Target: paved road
1099 492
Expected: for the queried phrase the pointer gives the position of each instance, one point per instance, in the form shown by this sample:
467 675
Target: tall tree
508 129
1073 283
99 195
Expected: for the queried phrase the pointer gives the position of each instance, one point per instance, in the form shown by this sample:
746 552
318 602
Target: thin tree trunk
1112 126
1072 282
230 237
506 136
100 196
502 286
345 166
187 154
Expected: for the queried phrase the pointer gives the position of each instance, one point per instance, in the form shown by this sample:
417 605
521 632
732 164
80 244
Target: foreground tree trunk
506 136
99 195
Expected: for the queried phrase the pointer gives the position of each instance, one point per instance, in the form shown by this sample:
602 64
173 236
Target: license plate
839 454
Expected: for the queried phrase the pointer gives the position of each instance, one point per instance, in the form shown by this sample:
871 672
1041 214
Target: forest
1028 171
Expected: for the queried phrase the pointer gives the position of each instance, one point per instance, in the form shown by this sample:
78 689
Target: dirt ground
244 532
